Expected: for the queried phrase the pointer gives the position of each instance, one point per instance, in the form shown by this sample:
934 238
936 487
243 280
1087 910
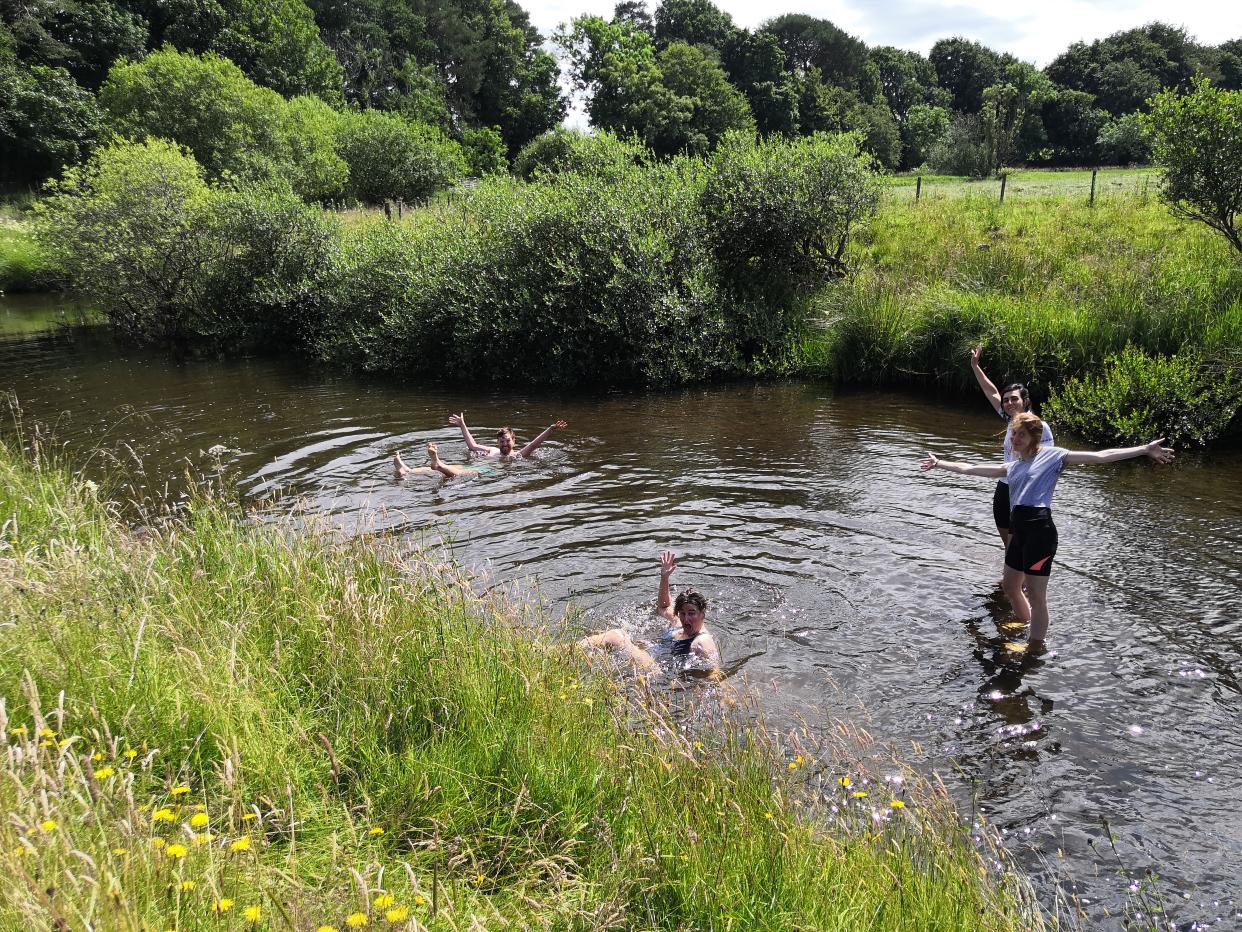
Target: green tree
484 149
694 22
1009 107
755 64
963 149
923 128
907 80
277 44
601 155
717 106
810 42
1123 141
966 69
1073 123
1197 140
47 121
391 158
230 124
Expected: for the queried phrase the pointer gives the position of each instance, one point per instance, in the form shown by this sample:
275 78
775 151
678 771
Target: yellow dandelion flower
199 807
103 773
203 838
698 745
120 851
247 816
860 794
48 825
176 850
327 929
45 743
419 900
799 760
46 733
376 831
563 696
157 843
187 885
179 790
19 732
97 756
62 742
356 920
199 820
478 880
163 815
588 701
253 913
846 782
131 753
23 850
397 914
384 900
573 685
242 844
793 765
767 815
222 905
897 804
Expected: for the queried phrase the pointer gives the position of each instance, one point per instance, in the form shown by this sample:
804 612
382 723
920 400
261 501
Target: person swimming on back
686 635
505 441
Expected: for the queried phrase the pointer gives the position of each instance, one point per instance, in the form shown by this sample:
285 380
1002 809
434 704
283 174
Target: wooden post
398 210
918 188
1091 203
387 211
1004 178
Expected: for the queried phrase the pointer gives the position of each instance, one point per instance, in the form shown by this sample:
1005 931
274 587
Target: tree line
466 84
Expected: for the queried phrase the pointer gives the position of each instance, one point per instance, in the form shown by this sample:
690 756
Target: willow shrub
1136 398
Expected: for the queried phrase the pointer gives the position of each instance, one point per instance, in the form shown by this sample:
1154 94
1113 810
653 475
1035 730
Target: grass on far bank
222 722
1029 183
1049 285
23 266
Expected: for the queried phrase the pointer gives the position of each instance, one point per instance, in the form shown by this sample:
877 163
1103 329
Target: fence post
1091 203
1004 178
387 211
918 188
399 205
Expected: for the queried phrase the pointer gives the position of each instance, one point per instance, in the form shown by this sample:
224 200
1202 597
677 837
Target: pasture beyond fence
1089 185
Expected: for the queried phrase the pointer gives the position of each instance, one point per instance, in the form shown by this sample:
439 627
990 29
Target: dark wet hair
1021 390
505 430
694 597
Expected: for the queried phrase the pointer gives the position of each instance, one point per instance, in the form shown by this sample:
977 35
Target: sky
1035 32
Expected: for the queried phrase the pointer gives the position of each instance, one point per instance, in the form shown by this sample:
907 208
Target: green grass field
1034 183
222 724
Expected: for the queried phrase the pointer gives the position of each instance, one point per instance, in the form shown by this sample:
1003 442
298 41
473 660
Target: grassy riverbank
23 265
1051 286
221 722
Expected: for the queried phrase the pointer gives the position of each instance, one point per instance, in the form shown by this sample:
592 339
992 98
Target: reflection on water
828 558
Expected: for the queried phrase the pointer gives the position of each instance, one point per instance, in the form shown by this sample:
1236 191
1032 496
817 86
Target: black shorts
1000 506
1034 541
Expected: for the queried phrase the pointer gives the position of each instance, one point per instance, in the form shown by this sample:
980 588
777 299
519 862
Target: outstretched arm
664 600
989 389
534 444
1154 450
964 469
459 420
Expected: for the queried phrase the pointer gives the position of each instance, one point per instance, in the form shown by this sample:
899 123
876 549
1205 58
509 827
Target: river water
842 580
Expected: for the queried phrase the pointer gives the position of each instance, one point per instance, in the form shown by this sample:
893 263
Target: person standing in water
685 636
1014 400
504 440
1032 478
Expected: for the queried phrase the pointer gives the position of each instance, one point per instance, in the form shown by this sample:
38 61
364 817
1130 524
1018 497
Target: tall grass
1051 288
23 266
221 715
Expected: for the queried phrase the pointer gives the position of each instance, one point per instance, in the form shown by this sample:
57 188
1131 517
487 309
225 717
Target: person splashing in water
686 636
1032 478
505 442
436 465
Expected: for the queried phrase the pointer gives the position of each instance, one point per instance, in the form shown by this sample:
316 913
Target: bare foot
399 469
433 454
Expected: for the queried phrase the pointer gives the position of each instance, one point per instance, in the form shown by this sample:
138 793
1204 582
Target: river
843 581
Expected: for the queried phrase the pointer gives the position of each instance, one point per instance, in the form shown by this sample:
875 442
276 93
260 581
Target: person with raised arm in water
504 448
1033 476
686 637
1009 403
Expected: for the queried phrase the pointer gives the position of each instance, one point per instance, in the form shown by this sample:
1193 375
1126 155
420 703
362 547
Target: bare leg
1037 592
618 640
1012 582
400 470
448 469
1005 535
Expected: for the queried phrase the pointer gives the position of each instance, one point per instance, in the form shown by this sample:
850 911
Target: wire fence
1087 186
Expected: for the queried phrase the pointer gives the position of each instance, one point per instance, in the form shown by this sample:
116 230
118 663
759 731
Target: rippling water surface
842 579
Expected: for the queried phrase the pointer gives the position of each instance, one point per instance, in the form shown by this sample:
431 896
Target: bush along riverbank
1056 291
228 721
627 270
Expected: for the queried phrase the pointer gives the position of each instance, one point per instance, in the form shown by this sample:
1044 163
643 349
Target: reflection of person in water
686 637
448 470
1032 478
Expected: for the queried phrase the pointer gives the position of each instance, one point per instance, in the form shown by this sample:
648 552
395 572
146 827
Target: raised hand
931 462
458 420
560 425
975 354
668 563
1160 453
